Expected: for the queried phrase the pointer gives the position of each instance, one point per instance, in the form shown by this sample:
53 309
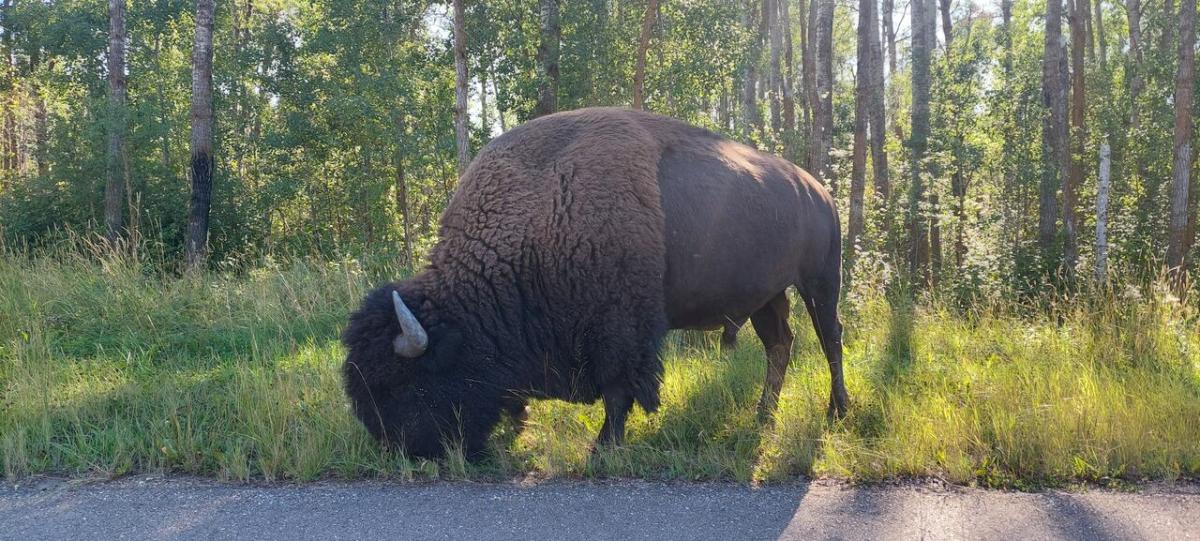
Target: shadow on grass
890 371
279 417
898 354
793 442
706 427
112 430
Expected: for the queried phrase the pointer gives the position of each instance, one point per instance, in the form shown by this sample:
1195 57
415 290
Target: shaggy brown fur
570 247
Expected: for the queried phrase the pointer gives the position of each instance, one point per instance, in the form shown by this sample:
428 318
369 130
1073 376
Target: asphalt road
173 508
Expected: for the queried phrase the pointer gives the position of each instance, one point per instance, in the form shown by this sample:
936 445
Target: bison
572 244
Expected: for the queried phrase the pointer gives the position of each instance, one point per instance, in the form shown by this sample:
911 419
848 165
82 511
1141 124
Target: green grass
107 368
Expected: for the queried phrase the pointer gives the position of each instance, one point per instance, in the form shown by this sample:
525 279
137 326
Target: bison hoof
598 448
520 419
838 405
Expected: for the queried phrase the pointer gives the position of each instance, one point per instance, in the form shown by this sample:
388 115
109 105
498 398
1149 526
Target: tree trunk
8 138
1078 137
889 34
500 116
723 113
485 123
946 28
789 91
1006 21
958 183
1103 187
131 199
935 239
202 136
858 172
1189 235
893 90
1014 215
597 50
462 121
922 45
762 42
1101 45
823 104
1177 241
547 56
41 132
750 76
1085 13
41 149
1136 84
1168 30
114 188
807 70
1054 131
876 111
935 222
237 93
402 189
1134 11
164 140
771 10
639 67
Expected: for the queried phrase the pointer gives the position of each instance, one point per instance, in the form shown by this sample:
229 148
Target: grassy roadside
106 368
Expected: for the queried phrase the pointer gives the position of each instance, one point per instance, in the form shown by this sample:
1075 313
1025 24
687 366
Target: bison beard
574 242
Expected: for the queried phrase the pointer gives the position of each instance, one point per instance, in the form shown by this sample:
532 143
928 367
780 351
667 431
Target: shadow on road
190 509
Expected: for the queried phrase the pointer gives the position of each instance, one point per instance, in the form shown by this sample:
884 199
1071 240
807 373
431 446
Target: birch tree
547 57
1185 78
639 69
202 136
462 119
114 187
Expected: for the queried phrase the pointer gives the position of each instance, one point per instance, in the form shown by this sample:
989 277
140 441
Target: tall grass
109 367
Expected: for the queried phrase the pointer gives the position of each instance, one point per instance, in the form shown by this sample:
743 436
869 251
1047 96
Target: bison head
412 375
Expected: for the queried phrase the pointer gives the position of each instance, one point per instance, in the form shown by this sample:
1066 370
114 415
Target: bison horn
412 339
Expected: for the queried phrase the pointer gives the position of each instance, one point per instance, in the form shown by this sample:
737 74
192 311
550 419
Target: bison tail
833 260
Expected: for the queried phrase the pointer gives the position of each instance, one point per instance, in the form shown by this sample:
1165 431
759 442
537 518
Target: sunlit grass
107 368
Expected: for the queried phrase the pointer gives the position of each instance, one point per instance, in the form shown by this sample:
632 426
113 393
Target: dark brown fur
570 247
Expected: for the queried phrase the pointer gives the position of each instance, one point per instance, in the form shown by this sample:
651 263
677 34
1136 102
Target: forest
990 148
194 194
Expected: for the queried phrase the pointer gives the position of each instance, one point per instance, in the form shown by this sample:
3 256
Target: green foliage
326 109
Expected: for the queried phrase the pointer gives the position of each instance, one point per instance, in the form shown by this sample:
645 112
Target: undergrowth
109 367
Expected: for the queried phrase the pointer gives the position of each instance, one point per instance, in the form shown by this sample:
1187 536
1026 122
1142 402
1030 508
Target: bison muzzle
573 243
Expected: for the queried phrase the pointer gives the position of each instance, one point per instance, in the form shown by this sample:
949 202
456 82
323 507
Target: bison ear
447 347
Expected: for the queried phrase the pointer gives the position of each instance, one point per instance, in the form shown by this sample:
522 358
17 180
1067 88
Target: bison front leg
729 335
518 412
617 403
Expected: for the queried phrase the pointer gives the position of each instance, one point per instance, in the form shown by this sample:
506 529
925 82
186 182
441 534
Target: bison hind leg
771 324
821 300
